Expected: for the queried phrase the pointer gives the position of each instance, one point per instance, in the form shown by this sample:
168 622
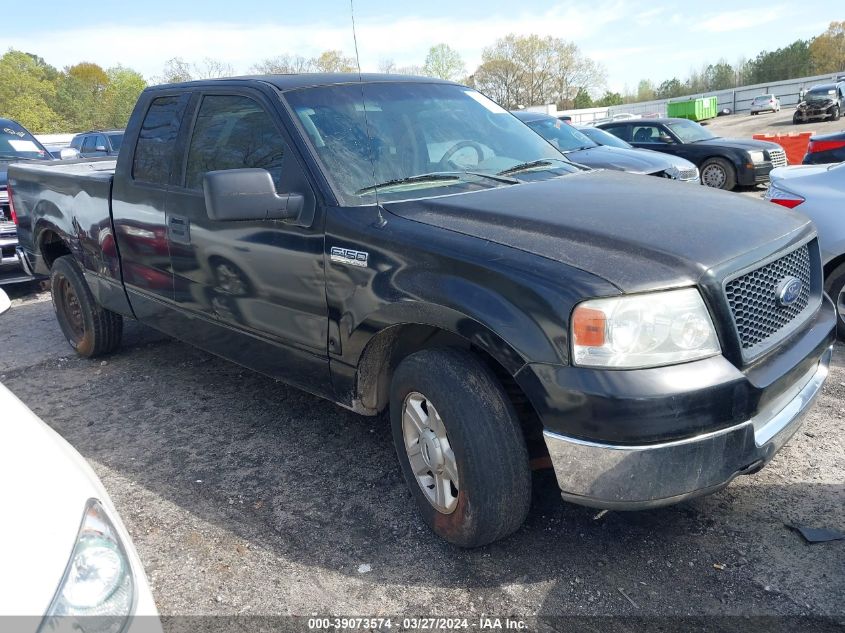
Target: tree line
517 70
819 55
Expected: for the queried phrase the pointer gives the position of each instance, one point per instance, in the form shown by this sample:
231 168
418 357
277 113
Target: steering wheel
461 145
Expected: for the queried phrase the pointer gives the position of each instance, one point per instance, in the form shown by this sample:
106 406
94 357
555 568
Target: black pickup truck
405 245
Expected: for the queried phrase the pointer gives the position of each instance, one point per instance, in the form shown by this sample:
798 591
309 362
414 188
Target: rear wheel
460 446
834 286
718 173
89 328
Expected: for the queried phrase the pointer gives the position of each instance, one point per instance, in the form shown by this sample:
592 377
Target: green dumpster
693 109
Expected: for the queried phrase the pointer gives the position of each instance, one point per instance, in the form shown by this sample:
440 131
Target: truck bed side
65 208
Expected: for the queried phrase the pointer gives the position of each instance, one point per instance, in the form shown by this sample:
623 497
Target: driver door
255 288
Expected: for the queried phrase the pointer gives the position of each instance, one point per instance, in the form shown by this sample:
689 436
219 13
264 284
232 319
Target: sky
651 39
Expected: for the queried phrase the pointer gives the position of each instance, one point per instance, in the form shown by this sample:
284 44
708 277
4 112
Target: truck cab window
154 149
233 132
88 144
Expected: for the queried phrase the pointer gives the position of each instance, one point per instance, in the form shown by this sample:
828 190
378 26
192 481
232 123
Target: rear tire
834 286
89 328
450 418
718 173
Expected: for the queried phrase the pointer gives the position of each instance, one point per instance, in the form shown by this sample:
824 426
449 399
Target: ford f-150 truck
405 245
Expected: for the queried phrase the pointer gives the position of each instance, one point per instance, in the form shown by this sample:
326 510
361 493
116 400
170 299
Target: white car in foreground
68 563
818 191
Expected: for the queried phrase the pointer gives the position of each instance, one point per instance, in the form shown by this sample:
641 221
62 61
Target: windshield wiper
433 177
545 162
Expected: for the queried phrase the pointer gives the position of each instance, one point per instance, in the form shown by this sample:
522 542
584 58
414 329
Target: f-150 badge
349 256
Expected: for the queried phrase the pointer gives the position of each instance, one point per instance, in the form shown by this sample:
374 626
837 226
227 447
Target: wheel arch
50 241
388 346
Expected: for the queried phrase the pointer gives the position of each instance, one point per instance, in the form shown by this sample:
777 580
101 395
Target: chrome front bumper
640 477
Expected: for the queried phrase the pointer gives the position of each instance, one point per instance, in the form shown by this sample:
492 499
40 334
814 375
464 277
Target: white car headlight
673 172
756 157
646 330
97 582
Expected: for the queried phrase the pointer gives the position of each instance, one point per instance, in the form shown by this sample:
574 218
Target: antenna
364 107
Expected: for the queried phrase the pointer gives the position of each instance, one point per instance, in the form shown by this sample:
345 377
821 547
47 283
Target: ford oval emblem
788 291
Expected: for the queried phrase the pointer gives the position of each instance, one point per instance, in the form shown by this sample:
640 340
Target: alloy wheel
429 453
714 176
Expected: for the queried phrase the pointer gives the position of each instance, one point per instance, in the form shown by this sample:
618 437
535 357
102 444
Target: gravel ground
746 125
244 496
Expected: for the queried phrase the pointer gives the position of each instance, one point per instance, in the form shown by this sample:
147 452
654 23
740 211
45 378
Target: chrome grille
7 230
687 174
753 301
778 157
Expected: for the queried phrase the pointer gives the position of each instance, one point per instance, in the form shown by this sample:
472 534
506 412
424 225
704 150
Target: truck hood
619 159
637 233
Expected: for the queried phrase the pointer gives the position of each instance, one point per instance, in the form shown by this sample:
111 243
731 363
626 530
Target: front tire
834 286
834 116
460 447
89 328
718 173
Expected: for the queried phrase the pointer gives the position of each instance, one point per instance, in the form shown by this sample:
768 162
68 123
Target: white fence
737 99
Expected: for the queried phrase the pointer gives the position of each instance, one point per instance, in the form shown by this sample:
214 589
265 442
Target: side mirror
5 302
68 153
100 148
248 194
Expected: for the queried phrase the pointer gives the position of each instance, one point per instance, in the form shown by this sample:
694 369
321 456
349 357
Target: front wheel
460 447
89 328
718 173
834 286
834 116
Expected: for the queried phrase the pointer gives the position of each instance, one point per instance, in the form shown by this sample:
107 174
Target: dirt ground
244 496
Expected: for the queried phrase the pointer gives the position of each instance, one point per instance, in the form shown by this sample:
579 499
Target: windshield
414 132
763 98
16 142
821 93
116 140
605 138
562 135
690 131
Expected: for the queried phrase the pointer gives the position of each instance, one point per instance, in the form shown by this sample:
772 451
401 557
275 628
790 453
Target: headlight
97 582
673 172
647 330
756 157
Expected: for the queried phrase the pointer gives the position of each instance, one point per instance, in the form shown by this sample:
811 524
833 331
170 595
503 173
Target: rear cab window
156 143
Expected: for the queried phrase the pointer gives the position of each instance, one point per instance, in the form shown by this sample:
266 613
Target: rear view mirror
5 302
68 153
247 194
100 148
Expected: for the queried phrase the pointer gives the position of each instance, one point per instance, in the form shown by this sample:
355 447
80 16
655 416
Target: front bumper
630 477
815 113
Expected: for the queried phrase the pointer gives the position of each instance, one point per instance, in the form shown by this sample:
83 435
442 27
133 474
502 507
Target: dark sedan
724 163
827 148
580 149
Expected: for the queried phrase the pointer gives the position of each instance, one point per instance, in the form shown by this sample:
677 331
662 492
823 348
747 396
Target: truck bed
70 200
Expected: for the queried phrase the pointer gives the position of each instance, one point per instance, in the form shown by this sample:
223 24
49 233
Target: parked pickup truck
405 245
